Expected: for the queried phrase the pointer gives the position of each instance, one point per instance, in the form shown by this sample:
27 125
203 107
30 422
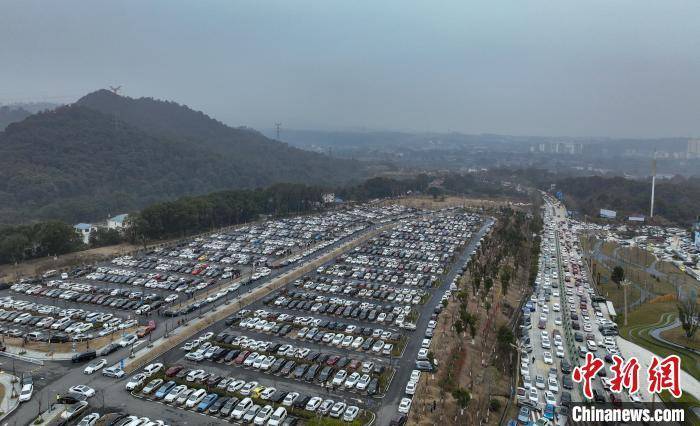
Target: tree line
195 214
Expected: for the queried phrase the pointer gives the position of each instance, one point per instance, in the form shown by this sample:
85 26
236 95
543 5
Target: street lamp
625 283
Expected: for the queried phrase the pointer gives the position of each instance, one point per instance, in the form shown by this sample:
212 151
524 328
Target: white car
195 398
533 395
174 393
560 352
248 388
313 404
352 411
553 385
89 420
267 393
95 366
83 390
410 388
263 415
547 356
26 393
405 405
549 398
151 369
135 381
290 399
241 408
127 340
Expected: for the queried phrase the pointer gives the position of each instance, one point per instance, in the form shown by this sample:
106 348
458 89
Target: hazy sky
525 67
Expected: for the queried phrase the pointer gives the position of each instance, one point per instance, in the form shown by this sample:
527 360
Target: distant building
636 218
608 214
328 198
694 148
84 229
696 234
117 222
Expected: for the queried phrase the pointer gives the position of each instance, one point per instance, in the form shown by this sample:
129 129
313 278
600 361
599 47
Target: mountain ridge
106 154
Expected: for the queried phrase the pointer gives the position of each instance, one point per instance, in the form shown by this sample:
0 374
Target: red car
241 357
170 372
147 330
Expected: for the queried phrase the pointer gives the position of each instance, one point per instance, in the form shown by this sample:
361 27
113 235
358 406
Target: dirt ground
10 273
475 365
426 202
66 347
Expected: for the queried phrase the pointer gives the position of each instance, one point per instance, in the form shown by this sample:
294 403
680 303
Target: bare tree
688 310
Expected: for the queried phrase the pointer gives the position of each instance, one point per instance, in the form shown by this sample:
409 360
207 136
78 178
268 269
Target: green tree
488 283
13 247
459 327
104 237
505 279
462 396
504 339
618 274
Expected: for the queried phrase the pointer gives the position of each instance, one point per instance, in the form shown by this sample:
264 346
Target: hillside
83 162
12 115
676 200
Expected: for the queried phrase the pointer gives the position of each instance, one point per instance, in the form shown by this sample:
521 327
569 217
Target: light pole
625 283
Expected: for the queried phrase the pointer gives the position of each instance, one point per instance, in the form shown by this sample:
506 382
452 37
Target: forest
107 154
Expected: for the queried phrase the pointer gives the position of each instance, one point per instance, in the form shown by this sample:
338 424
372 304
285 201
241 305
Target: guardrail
22 358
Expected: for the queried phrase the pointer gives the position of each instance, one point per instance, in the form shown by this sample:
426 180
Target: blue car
164 389
524 415
207 402
549 412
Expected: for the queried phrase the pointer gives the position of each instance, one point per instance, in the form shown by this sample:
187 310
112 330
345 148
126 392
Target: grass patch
652 315
677 336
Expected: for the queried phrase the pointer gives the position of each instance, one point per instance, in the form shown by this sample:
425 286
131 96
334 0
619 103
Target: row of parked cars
235 399
337 307
362 290
286 360
157 280
319 330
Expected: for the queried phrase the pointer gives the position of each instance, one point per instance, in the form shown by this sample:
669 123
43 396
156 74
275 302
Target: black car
565 367
85 356
301 401
373 387
565 399
399 421
228 406
217 405
566 382
300 370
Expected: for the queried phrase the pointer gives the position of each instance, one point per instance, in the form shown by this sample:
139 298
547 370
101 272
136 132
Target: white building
84 230
117 222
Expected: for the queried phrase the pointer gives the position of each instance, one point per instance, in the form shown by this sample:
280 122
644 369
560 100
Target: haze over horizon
623 69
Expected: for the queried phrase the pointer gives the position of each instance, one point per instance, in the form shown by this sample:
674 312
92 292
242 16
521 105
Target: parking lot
125 302
343 341
95 301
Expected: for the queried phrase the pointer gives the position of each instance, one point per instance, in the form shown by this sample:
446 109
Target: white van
278 417
195 398
241 408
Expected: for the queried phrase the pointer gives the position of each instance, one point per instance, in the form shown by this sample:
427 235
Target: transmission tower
277 128
115 89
